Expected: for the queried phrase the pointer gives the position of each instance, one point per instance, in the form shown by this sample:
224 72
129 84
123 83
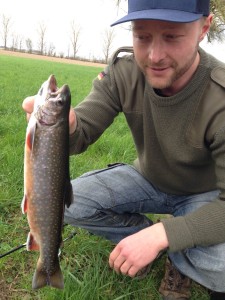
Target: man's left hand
138 250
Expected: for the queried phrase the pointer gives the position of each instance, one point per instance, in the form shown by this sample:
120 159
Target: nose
156 51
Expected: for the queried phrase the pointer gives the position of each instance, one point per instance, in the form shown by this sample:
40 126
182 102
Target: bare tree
218 26
75 35
6 22
107 43
20 42
61 54
29 45
68 51
42 33
51 50
15 40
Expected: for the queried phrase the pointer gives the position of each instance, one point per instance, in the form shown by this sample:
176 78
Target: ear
205 26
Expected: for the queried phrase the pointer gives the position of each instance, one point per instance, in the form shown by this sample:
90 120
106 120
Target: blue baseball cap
183 11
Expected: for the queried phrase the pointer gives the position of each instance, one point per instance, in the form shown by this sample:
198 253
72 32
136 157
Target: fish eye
60 102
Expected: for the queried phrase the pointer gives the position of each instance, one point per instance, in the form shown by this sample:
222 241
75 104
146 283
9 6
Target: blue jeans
113 202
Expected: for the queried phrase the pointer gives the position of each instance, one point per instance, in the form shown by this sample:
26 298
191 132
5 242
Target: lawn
84 259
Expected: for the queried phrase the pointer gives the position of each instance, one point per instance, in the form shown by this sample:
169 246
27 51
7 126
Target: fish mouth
54 109
44 118
64 90
45 123
48 87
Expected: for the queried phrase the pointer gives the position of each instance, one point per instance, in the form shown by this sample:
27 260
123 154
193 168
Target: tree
29 45
42 33
6 22
107 43
51 50
218 26
75 35
68 51
15 40
20 42
217 29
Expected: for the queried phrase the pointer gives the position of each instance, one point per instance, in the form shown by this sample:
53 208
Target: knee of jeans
209 263
205 265
79 210
209 259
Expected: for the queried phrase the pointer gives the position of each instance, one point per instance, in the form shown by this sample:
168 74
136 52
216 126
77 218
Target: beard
175 72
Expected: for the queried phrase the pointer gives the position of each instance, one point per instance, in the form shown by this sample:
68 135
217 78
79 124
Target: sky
93 16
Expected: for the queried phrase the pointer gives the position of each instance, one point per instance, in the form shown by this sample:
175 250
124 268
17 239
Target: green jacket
180 140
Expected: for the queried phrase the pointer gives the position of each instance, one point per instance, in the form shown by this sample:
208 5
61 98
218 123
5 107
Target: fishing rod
24 245
13 250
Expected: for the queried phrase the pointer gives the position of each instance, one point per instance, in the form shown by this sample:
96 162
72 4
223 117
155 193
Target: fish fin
42 278
30 136
56 280
68 198
24 204
32 244
39 280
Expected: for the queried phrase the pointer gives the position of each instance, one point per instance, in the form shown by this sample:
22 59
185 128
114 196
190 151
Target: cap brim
161 15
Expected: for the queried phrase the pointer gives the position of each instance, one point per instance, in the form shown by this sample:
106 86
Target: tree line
15 42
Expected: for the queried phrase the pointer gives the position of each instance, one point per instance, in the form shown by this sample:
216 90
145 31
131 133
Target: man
172 94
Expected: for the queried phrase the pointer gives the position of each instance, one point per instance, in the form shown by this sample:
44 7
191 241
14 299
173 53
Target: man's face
167 52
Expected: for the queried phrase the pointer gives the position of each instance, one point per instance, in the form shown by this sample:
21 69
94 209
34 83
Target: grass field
84 259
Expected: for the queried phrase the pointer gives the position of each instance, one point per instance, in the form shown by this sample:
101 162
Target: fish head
56 108
48 87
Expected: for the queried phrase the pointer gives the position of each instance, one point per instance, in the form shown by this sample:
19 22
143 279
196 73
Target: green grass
84 259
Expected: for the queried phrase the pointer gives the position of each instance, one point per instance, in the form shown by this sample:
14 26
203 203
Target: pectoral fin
32 244
24 204
30 134
68 197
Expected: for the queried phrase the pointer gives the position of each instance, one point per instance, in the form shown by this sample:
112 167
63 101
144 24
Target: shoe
145 271
217 296
174 285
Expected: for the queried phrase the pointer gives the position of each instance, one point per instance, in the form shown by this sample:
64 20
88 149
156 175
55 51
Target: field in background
84 259
50 58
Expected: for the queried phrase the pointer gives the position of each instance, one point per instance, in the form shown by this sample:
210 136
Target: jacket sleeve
96 112
111 91
206 225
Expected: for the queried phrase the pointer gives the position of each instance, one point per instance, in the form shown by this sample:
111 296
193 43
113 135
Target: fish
47 185
47 88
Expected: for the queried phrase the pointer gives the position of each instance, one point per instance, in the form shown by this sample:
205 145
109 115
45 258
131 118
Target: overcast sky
93 16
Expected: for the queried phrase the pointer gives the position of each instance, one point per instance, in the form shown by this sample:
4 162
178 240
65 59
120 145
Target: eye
142 38
60 102
173 37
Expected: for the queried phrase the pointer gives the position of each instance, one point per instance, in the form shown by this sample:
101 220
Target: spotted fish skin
47 186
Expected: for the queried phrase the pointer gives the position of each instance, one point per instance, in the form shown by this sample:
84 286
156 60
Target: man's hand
138 250
28 106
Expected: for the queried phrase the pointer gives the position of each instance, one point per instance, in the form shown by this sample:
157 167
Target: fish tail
41 278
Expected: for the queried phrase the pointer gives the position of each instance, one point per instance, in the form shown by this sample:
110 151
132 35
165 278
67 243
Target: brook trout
47 187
